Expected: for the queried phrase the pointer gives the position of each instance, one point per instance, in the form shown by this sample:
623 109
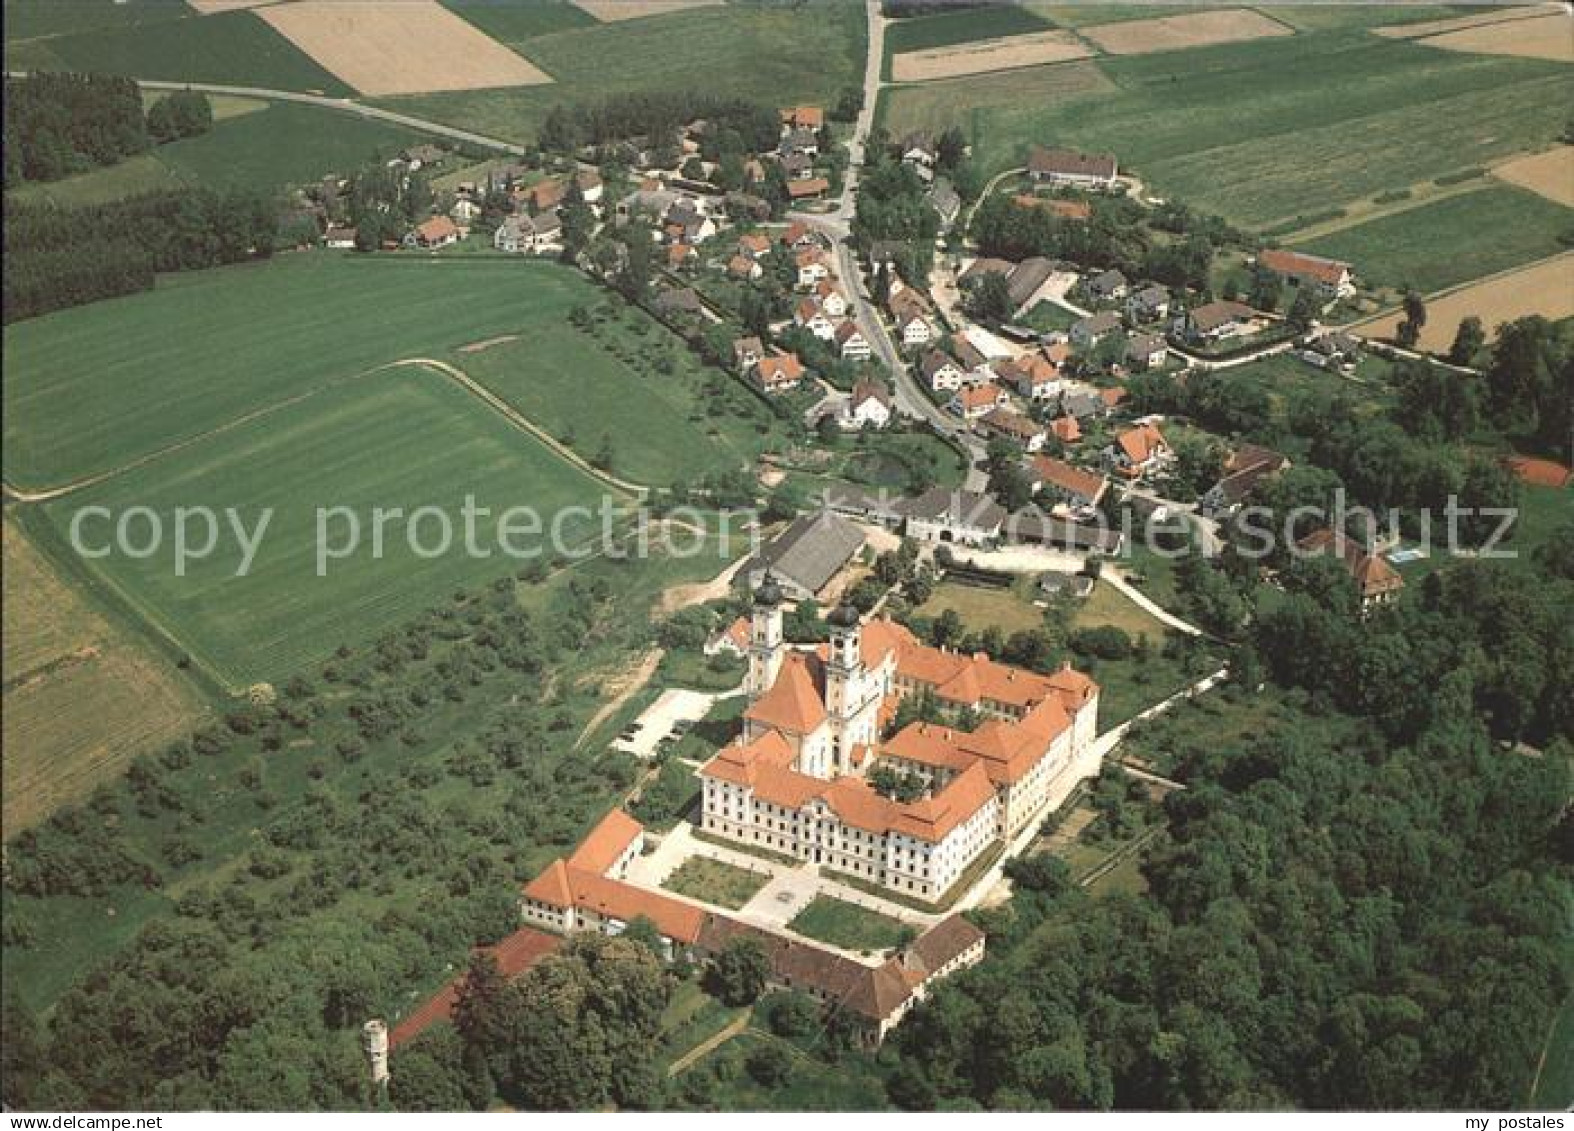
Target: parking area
675 711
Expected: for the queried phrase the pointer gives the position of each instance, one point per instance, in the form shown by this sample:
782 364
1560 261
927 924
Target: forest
63 257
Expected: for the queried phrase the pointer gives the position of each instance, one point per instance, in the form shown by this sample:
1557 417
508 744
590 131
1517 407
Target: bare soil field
383 47
80 700
1549 174
987 55
1545 288
611 11
1176 33
1544 37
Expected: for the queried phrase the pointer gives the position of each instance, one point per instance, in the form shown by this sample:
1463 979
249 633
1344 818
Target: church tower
766 647
846 685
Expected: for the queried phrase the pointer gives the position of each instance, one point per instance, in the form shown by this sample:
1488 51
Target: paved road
343 105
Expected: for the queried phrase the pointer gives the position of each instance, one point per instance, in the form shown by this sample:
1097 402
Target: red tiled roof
1330 272
513 955
1072 479
606 842
793 703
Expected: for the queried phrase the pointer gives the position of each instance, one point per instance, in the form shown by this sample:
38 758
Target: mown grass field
33 19
1264 131
766 54
662 427
725 885
93 388
406 438
81 696
1452 240
233 48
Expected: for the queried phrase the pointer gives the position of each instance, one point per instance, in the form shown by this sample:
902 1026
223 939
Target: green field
766 54
1266 130
33 19
516 22
1483 232
587 390
233 48
407 438
848 925
1555 1086
93 388
920 33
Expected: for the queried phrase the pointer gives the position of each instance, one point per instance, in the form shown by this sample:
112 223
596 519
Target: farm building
1072 167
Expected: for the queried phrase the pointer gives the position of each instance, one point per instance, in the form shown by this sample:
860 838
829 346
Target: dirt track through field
987 55
1545 288
1177 33
382 47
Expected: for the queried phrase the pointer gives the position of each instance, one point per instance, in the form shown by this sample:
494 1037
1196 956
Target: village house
523 233
680 255
800 237
339 238
942 514
438 231
797 166
1377 582
1215 321
918 149
679 300
800 141
1137 451
1247 466
1146 351
746 353
869 406
1021 430
1031 526
851 344
1090 331
941 372
743 268
464 213
686 223
830 299
810 189
974 402
809 316
754 245
979 369
1107 286
1333 350
812 268
778 373
805 558
910 315
1059 481
1148 304
1330 277
1066 429
1033 377
945 200
802 118
1070 167
731 639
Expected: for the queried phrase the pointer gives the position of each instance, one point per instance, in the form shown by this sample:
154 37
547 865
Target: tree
1304 309
790 1013
950 148
988 298
738 974
579 222
1267 288
185 113
428 1074
768 1065
849 104
1409 330
1468 341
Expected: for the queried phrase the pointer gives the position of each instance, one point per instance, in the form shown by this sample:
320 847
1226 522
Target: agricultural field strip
1537 288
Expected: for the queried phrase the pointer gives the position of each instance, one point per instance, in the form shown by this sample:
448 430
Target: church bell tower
765 638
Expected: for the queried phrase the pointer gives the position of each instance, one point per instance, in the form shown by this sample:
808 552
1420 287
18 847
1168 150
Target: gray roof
957 508
1152 295
1144 345
1082 405
1032 525
934 361
1027 277
1107 281
811 550
1101 323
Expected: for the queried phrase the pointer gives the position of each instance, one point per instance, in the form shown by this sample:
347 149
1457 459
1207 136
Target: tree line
63 257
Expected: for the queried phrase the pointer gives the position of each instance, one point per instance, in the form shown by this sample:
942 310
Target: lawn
1049 316
34 19
406 438
848 925
902 461
1108 606
1266 130
721 1082
980 606
232 48
768 54
1484 232
715 882
82 696
606 387
90 389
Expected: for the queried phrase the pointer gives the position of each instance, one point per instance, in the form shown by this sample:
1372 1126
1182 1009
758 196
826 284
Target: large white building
796 782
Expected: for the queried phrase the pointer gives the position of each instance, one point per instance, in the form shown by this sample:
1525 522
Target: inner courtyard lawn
848 925
717 882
